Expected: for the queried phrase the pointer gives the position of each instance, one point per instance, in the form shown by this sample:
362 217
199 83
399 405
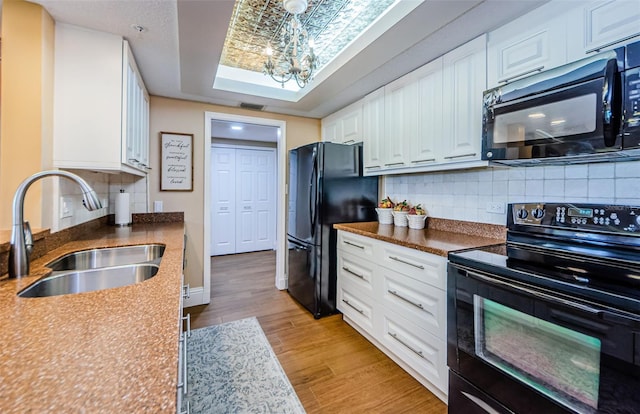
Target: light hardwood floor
331 366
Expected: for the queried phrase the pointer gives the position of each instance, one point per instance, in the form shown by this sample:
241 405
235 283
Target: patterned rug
232 369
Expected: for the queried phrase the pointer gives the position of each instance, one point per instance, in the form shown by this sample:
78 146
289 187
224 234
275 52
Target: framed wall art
176 161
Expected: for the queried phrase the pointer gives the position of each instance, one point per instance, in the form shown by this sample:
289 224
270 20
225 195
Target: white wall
463 195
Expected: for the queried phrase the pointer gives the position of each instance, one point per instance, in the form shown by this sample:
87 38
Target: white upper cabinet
400 121
556 33
135 113
464 81
428 85
373 131
529 44
101 107
344 126
601 25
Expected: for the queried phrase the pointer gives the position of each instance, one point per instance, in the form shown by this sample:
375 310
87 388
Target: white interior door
255 200
223 201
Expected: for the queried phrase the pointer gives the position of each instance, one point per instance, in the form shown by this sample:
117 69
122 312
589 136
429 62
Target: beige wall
26 105
171 115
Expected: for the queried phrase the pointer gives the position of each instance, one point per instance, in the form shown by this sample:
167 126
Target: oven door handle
550 298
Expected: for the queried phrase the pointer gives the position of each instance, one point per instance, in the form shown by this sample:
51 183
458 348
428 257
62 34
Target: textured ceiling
332 24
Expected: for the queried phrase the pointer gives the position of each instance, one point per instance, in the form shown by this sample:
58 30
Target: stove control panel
588 217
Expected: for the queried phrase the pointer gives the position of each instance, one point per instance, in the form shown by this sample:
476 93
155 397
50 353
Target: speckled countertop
440 237
109 351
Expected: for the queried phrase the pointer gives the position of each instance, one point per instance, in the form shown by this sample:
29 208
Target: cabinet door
373 131
610 22
464 80
400 121
428 83
514 53
352 124
135 115
330 129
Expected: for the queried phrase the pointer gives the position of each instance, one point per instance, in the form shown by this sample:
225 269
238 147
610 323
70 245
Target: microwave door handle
611 103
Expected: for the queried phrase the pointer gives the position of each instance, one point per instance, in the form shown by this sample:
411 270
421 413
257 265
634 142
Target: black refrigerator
326 186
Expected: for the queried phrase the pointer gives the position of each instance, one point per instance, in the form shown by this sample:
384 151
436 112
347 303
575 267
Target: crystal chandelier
297 60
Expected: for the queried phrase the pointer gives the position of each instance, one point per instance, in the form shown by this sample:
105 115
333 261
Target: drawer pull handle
346 269
399 296
390 164
519 75
412 349
187 410
599 48
450 157
425 160
353 244
360 311
405 262
188 319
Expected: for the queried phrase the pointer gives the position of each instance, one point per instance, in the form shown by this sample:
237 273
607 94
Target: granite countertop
440 237
109 351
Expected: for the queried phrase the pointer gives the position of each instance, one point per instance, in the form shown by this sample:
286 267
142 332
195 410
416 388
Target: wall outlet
495 207
66 207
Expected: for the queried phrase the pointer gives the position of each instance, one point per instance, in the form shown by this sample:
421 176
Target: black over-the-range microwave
585 111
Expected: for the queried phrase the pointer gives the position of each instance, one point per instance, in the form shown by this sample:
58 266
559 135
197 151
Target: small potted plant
384 210
400 212
417 217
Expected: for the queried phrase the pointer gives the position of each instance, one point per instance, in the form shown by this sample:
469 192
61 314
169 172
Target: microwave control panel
589 217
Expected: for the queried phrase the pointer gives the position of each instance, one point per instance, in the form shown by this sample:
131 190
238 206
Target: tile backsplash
465 194
106 186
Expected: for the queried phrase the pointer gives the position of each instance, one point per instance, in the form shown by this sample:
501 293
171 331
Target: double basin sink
97 269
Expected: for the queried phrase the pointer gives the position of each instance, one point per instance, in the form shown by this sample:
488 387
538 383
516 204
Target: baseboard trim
196 297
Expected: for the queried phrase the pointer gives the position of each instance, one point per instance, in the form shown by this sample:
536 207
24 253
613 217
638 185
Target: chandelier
297 60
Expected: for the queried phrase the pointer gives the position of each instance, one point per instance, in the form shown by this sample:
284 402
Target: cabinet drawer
424 267
421 304
355 244
356 271
417 348
353 304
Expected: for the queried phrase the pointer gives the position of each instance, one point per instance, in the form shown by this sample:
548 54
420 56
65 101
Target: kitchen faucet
21 231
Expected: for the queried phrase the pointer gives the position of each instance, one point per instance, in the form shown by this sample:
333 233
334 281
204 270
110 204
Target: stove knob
537 213
522 213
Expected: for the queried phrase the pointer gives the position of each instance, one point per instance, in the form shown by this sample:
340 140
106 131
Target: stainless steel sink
62 283
113 256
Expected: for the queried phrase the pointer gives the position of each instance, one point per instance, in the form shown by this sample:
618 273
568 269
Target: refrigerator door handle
313 193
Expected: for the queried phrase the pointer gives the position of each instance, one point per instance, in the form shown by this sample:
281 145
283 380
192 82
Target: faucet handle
28 237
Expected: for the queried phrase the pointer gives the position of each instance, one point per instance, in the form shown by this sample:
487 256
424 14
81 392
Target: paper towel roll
123 215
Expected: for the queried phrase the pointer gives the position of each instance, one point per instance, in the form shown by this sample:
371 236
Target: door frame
273 150
281 161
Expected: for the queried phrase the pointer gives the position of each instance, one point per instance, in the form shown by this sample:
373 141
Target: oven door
577 119
534 351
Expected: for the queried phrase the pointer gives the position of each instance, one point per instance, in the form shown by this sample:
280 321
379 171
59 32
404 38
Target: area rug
232 369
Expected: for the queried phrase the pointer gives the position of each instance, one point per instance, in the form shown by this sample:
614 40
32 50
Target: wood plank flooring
331 366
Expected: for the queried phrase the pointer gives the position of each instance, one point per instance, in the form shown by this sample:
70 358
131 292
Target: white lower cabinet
396 298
